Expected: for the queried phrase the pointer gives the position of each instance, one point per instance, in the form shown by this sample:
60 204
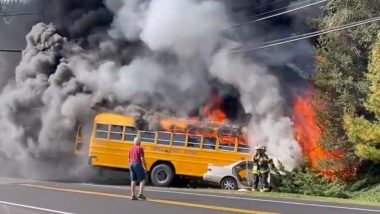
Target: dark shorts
137 172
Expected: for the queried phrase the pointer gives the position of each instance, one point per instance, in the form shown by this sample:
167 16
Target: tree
363 132
342 61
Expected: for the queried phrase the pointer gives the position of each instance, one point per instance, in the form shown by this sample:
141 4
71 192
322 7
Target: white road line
34 208
247 199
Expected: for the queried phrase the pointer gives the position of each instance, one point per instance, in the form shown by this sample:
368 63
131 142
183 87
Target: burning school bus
179 148
187 147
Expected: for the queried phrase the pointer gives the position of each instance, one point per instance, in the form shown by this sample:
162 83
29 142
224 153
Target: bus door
79 142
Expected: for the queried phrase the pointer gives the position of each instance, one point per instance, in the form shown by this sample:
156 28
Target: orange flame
306 127
213 109
196 127
214 120
309 133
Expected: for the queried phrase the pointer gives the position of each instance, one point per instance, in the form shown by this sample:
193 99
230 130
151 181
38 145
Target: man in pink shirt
137 167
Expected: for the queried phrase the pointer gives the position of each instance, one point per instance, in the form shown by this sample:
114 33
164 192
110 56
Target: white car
233 176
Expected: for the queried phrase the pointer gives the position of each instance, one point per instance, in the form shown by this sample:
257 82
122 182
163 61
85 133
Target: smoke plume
155 59
260 96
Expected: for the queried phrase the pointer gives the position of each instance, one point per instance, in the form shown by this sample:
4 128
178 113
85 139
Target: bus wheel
161 175
229 183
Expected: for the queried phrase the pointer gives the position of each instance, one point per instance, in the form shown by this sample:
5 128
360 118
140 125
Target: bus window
130 133
164 138
243 148
147 137
194 141
179 139
209 143
102 131
227 143
116 132
226 147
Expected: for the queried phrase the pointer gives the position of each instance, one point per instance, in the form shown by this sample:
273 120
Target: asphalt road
31 197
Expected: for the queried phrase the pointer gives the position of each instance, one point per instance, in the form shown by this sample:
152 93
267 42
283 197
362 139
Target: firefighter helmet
261 147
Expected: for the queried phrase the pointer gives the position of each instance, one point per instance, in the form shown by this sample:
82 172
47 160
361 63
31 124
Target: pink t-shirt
135 154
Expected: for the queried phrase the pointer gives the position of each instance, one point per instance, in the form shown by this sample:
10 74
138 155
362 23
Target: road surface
31 197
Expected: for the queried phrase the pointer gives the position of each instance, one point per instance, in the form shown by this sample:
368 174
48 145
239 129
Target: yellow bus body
110 148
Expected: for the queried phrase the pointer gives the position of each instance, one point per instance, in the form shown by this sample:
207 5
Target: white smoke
127 20
187 28
59 82
260 96
190 28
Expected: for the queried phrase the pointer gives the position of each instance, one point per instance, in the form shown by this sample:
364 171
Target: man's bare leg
142 184
133 187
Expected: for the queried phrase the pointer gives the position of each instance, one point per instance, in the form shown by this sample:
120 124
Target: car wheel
229 183
162 175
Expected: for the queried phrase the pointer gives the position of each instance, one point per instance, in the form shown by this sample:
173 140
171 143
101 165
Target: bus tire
229 183
162 175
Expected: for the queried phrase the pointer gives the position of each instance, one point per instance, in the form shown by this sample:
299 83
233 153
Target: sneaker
141 196
133 198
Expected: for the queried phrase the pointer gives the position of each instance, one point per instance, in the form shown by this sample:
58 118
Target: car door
243 173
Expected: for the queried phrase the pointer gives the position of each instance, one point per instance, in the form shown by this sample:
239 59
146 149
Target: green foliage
366 189
342 61
364 133
373 103
364 184
308 182
371 195
348 87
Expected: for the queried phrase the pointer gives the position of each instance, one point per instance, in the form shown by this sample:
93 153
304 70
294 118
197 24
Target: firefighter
262 165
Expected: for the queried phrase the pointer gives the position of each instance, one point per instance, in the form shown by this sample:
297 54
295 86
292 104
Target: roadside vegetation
306 181
347 82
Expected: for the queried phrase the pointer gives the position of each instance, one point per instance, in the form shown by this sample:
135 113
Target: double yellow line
227 209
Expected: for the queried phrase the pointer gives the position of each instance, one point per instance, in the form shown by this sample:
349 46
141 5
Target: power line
311 33
10 51
288 11
308 35
276 2
251 9
278 14
18 14
281 8
301 35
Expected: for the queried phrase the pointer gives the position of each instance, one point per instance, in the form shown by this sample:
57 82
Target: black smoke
90 56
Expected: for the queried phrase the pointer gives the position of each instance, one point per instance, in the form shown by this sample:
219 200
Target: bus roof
115 119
